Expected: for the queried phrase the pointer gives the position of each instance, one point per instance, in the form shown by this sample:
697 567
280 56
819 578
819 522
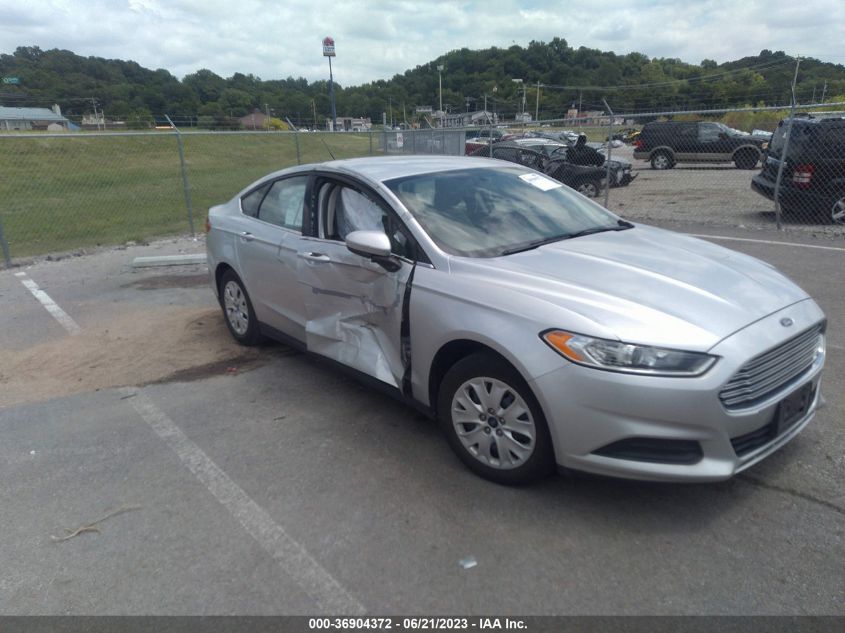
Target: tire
237 310
589 188
661 160
837 210
746 159
512 445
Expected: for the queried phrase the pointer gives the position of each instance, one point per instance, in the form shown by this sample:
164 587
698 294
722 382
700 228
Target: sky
376 40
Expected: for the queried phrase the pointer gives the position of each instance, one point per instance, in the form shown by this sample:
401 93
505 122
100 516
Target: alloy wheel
837 213
237 312
493 423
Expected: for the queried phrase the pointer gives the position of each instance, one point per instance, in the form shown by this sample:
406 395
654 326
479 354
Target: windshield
488 212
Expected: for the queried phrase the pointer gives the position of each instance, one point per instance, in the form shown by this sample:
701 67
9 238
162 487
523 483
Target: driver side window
344 209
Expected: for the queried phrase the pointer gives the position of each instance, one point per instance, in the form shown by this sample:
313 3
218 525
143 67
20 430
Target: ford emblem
786 321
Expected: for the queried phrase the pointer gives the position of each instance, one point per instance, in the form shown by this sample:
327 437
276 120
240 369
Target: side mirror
375 246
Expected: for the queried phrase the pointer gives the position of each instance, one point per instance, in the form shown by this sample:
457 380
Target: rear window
802 138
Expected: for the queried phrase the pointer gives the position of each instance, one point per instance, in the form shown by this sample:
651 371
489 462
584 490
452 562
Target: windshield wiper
621 225
535 244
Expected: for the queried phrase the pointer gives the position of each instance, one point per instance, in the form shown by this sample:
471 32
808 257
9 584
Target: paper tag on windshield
541 182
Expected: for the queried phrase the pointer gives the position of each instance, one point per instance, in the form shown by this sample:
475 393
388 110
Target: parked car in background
537 327
666 143
586 180
813 178
582 153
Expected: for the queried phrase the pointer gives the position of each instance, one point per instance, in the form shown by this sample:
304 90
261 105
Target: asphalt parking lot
234 481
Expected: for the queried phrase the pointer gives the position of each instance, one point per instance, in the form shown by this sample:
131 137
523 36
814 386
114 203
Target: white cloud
376 40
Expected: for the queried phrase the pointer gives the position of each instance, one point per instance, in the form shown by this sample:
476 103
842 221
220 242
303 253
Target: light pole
328 51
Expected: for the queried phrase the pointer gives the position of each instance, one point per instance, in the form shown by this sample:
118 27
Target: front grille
771 371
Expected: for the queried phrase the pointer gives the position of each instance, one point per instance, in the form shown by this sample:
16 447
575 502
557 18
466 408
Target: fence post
783 158
607 158
296 139
5 245
370 134
185 183
785 151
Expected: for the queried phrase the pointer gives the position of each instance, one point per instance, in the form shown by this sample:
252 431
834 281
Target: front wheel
493 422
837 211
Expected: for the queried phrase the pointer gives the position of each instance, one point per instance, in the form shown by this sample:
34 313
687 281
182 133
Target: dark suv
813 179
666 143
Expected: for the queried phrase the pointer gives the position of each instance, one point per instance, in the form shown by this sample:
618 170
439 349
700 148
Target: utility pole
96 118
390 108
267 115
824 90
440 84
537 107
519 81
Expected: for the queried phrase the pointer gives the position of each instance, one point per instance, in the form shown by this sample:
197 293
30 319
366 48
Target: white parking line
52 307
747 239
294 560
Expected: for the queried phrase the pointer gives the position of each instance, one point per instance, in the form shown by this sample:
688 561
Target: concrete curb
168 260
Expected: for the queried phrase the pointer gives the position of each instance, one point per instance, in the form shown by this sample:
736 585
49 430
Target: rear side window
709 132
251 201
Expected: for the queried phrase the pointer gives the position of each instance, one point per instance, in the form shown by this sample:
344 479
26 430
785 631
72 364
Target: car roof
383 168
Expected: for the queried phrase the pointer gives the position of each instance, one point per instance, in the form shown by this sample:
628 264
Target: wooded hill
567 77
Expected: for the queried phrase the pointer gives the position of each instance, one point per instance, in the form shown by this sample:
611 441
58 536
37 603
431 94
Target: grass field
64 193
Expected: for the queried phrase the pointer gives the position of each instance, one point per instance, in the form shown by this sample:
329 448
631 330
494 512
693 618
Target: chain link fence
65 192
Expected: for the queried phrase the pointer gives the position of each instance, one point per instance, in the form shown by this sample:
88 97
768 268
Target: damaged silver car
538 328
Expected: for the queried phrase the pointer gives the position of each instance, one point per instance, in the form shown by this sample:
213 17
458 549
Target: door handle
246 236
315 257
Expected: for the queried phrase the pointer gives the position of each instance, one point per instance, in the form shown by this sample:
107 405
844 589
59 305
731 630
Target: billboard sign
328 47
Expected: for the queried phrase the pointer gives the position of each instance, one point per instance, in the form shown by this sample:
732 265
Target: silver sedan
538 328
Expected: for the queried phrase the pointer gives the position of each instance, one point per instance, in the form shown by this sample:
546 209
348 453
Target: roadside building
24 119
256 120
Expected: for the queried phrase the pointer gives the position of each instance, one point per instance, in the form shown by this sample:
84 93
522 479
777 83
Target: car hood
643 285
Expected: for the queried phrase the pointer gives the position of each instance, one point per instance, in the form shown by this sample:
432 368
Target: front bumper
588 410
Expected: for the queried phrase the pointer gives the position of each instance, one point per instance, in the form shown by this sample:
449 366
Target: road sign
11 80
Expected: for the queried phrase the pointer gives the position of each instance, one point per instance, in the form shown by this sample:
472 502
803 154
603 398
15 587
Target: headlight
625 357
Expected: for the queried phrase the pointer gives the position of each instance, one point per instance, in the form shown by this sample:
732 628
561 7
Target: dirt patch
164 344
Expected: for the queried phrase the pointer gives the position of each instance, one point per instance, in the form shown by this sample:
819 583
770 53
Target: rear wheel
589 188
746 159
493 422
661 160
237 310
